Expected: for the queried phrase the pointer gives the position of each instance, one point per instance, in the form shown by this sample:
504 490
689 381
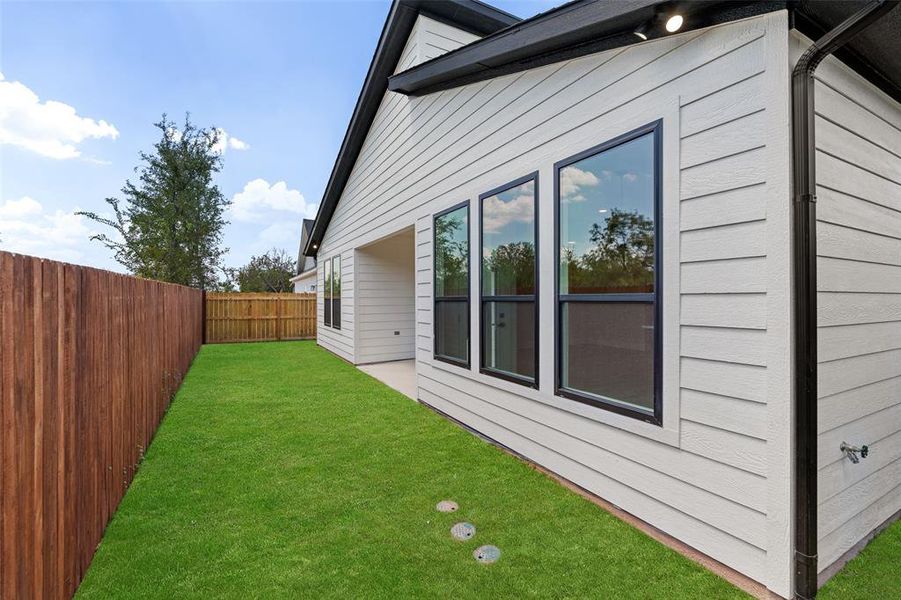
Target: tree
512 267
227 283
621 258
170 224
270 272
452 255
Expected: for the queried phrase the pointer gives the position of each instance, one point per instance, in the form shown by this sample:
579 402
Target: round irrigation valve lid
487 554
463 531
447 506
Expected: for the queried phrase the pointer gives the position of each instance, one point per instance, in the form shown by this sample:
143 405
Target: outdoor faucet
852 451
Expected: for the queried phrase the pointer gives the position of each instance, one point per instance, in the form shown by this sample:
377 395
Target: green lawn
281 471
874 574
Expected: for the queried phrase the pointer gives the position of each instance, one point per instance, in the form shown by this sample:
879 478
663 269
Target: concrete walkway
398 374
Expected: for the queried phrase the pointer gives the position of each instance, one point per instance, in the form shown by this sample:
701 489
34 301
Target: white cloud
258 201
223 143
572 180
226 142
16 209
52 129
496 214
236 144
174 133
27 228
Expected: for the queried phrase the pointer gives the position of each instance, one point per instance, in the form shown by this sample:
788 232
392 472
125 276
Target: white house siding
306 282
437 38
385 300
717 474
859 296
339 341
391 120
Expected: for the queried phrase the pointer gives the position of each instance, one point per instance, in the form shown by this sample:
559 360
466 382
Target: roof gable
468 15
304 262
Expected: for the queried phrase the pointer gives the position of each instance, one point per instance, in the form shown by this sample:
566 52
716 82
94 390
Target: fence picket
256 317
89 360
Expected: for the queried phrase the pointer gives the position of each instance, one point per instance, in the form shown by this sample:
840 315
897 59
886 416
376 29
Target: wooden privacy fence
90 360
248 317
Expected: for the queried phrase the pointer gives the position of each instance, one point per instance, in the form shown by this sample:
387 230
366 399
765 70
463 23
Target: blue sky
280 78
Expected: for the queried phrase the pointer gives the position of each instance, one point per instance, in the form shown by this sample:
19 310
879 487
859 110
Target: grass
872 574
281 471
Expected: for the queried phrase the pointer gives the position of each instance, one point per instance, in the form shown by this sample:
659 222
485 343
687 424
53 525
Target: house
585 232
305 278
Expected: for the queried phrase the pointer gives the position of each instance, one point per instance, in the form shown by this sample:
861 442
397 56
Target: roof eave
570 31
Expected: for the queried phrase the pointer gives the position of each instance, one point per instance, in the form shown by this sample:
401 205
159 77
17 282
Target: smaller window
509 281
451 271
336 292
327 293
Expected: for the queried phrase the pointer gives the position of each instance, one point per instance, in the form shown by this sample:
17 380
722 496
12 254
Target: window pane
452 330
336 292
336 277
508 242
327 293
608 350
452 253
508 337
607 221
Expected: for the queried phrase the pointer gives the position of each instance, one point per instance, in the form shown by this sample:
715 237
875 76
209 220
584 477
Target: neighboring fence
90 360
247 317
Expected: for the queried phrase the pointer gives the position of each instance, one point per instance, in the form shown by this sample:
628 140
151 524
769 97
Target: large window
608 319
331 292
509 281
451 268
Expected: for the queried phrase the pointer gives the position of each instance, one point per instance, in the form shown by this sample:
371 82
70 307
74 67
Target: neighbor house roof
304 261
576 29
469 15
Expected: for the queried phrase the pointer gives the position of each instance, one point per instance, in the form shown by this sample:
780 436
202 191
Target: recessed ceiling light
674 23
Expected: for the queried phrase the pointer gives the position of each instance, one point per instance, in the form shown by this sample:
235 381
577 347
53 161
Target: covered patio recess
385 310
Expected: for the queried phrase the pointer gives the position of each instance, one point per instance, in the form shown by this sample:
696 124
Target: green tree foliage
513 268
452 255
227 283
169 226
270 272
621 257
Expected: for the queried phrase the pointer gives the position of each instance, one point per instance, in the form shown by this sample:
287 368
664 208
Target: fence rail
250 317
89 361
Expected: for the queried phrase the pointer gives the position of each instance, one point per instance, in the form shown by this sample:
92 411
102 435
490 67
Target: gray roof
304 262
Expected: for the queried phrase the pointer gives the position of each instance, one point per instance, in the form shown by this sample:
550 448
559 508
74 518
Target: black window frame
526 381
654 416
464 299
327 293
336 325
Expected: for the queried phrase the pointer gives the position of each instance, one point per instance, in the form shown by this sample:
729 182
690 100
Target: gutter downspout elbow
804 256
